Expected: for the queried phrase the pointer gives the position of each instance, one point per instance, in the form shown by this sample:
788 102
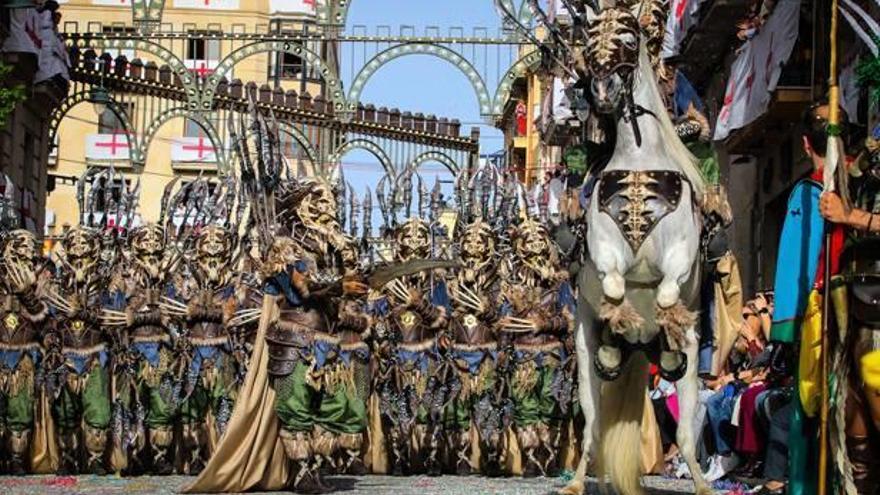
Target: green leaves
9 95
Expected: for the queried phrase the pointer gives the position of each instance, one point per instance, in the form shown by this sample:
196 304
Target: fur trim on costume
323 442
676 320
297 445
621 317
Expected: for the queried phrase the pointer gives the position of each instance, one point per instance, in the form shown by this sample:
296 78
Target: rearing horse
639 285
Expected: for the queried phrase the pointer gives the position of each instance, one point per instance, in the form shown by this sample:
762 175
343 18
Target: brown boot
96 445
160 446
18 450
350 445
68 444
194 442
865 466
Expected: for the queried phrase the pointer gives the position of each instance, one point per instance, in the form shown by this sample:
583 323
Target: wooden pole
833 126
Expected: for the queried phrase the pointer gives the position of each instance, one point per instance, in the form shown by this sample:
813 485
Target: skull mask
82 248
318 205
213 246
534 250
147 247
20 247
413 240
476 248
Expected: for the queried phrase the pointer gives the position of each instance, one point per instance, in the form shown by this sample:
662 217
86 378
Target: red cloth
749 440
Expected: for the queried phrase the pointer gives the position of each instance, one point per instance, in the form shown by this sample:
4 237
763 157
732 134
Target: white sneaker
722 466
713 461
683 472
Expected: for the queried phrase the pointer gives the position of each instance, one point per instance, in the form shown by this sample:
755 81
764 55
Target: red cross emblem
728 101
30 27
768 62
114 144
679 12
311 3
200 148
202 70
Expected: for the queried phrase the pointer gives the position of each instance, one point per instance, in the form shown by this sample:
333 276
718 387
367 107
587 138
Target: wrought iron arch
369 146
299 136
518 69
83 97
335 12
397 51
331 78
434 156
199 118
525 13
189 81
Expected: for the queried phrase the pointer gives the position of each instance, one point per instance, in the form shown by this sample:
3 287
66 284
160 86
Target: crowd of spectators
744 411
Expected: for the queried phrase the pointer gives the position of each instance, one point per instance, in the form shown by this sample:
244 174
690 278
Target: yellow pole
833 126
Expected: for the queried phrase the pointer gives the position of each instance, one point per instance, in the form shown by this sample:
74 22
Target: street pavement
416 485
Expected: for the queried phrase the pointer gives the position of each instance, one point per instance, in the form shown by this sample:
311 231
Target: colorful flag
756 71
113 146
683 15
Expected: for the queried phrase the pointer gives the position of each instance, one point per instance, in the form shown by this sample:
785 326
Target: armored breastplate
15 328
638 200
79 334
207 331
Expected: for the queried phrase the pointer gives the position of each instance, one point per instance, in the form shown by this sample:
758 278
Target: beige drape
652 444
728 310
44 447
250 455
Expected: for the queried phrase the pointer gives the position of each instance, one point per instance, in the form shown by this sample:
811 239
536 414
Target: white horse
641 277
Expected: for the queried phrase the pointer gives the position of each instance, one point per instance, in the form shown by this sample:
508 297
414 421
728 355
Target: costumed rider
21 349
858 315
538 315
77 377
478 416
220 317
416 390
317 406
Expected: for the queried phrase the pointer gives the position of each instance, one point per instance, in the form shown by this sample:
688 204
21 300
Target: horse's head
612 52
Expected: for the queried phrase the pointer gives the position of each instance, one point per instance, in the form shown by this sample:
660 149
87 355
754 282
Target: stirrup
609 371
673 371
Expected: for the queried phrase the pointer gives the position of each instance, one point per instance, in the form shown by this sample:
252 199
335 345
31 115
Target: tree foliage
10 95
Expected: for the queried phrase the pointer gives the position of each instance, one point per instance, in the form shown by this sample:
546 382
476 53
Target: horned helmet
147 250
476 243
412 239
612 54
82 250
534 249
213 254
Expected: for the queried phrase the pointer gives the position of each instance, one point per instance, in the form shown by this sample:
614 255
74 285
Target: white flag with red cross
207 4
113 3
113 146
294 6
193 149
201 68
756 71
683 15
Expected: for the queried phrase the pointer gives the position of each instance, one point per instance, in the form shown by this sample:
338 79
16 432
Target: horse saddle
638 200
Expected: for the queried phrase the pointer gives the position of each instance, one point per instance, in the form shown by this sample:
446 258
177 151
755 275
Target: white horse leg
586 342
672 315
688 396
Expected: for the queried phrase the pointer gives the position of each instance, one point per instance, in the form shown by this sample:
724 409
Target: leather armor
638 200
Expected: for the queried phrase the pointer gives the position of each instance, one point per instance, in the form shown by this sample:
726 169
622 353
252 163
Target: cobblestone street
447 485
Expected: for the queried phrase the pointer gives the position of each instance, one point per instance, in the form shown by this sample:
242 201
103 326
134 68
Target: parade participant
218 319
22 317
316 407
78 353
538 314
159 366
860 325
474 292
416 390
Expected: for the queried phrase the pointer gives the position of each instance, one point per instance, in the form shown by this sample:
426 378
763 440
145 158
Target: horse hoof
673 365
608 362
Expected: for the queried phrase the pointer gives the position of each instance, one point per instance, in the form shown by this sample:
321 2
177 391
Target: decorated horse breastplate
638 200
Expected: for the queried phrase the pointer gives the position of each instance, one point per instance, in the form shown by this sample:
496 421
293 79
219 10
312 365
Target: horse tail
622 408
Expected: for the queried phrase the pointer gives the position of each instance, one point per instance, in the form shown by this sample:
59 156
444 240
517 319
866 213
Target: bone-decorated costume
22 319
538 315
312 354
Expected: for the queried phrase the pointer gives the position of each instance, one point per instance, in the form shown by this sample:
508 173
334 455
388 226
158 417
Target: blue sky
419 83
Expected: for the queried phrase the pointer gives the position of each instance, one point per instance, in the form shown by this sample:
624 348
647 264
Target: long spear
833 160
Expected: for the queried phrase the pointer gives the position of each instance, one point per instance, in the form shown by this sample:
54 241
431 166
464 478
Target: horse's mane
686 161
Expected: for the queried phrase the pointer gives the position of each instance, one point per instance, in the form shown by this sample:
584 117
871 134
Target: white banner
683 15
201 68
294 6
207 4
850 91
24 32
754 74
107 146
193 149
